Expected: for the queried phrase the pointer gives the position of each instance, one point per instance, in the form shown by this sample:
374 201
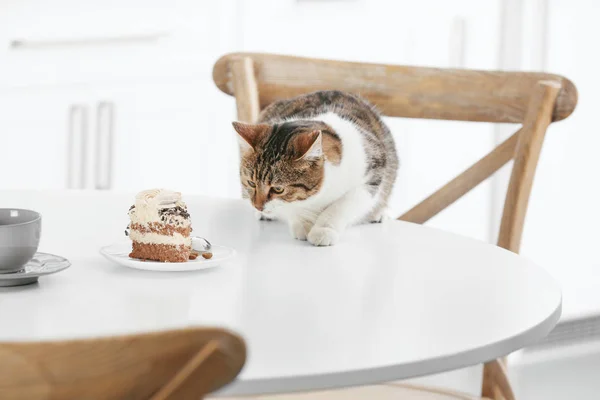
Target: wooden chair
181 364
531 99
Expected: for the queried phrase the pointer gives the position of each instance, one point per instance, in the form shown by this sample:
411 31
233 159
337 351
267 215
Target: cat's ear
308 146
250 134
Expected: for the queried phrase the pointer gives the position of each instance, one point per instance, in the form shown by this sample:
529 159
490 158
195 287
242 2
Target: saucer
41 264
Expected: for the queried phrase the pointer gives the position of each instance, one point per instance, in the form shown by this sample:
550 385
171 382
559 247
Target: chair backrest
180 364
398 91
533 99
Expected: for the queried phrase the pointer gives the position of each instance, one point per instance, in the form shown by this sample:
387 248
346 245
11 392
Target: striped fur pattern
321 162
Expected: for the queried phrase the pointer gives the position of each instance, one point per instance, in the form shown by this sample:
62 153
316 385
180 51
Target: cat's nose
259 200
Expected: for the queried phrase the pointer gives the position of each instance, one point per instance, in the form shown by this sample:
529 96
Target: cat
321 162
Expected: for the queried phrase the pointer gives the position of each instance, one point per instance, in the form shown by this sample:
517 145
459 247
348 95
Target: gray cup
20 232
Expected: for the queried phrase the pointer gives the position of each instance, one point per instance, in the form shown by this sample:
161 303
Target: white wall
561 226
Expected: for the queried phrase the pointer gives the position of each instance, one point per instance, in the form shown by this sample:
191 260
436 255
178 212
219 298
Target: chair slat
201 359
527 154
463 183
401 91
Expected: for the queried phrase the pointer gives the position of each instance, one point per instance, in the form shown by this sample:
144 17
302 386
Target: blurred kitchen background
118 95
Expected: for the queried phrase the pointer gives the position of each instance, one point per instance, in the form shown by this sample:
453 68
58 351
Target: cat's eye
251 184
277 189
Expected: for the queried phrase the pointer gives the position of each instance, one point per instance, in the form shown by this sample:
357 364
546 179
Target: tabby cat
321 162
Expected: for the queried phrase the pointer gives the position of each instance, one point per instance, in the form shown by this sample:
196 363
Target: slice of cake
160 227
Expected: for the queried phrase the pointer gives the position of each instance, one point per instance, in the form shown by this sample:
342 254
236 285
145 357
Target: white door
173 135
145 72
44 138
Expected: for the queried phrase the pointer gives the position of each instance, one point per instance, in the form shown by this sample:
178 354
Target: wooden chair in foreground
531 99
172 365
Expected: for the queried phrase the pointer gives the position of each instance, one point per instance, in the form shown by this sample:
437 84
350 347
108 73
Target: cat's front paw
321 236
299 229
380 217
261 217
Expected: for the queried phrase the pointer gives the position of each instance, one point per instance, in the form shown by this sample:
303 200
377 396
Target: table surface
390 301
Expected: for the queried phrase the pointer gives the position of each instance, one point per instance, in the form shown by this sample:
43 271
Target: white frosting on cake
159 197
155 238
149 202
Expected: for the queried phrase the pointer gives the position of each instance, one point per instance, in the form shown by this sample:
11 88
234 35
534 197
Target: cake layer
163 229
176 239
160 252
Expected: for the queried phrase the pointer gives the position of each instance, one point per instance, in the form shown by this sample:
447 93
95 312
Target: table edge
391 373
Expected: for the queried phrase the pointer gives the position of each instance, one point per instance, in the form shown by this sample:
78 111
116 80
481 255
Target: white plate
119 253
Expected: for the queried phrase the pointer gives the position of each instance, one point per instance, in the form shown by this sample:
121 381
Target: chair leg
495 382
531 137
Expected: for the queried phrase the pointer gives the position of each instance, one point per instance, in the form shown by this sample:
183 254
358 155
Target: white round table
390 301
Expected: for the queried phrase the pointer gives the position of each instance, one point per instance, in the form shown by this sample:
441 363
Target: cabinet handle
105 114
77 139
457 43
22 44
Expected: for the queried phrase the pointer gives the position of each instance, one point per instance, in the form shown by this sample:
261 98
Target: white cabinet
127 137
59 42
175 135
42 138
116 95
